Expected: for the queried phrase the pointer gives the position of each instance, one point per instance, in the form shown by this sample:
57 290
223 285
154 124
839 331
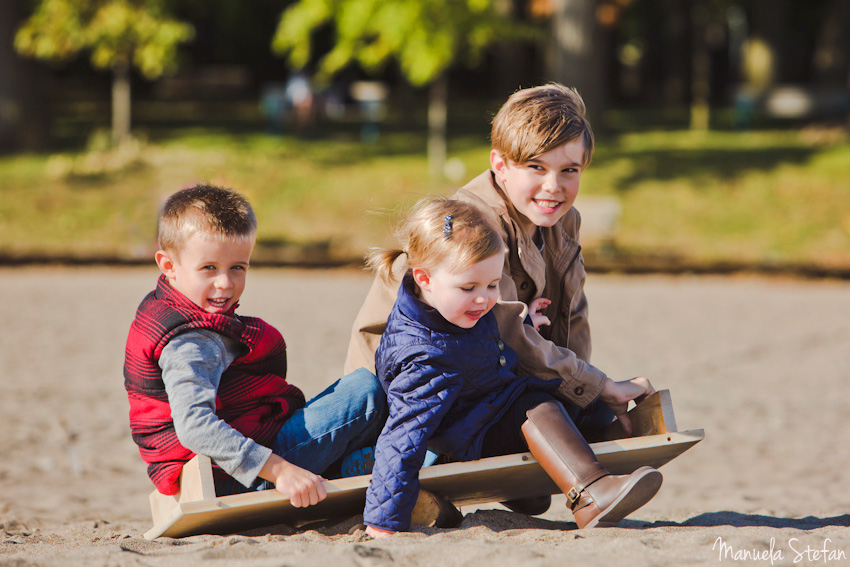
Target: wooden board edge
632 443
652 416
619 446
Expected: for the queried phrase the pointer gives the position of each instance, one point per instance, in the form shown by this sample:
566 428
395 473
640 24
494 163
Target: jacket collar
414 308
523 223
487 187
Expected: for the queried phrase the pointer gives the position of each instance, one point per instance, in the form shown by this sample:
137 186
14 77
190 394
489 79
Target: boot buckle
573 496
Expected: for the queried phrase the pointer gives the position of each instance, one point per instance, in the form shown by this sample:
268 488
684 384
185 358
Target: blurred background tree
118 33
705 111
425 37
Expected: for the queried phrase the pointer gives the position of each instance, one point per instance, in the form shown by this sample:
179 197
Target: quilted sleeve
419 397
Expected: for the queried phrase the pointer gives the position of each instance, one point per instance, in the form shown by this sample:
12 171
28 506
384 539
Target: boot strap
574 494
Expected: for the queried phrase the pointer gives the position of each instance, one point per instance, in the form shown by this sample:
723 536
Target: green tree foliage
425 36
117 33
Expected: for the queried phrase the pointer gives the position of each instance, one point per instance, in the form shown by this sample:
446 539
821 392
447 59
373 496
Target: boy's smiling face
544 188
208 271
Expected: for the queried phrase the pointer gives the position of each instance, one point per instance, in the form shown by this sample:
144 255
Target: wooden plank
196 480
497 479
652 416
492 479
196 483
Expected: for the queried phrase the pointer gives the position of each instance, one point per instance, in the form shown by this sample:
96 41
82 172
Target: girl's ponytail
381 260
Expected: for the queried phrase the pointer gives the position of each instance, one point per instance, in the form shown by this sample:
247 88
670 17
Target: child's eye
535 167
208 267
492 286
240 268
467 289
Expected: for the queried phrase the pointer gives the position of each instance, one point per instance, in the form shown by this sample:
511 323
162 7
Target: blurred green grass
774 196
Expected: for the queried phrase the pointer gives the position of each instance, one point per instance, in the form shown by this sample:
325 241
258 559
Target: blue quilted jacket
446 386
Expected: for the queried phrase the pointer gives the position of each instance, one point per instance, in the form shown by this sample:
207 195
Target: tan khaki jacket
560 350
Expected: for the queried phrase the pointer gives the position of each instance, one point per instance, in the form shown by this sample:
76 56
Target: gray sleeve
192 364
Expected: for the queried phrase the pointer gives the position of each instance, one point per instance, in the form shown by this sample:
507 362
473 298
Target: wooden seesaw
197 510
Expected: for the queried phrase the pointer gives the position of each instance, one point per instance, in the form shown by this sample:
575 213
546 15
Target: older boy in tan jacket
542 143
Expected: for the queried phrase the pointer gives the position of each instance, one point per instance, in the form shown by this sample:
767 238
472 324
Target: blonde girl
452 383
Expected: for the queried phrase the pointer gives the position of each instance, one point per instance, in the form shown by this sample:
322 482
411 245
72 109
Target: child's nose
223 282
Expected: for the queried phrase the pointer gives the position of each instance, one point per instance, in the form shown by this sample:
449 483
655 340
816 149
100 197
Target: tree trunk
832 53
24 112
575 55
513 68
700 69
438 97
121 103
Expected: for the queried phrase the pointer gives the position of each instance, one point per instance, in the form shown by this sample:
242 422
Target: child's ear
422 278
497 163
165 263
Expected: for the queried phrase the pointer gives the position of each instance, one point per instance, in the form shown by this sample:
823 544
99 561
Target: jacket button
502 361
501 345
578 391
523 285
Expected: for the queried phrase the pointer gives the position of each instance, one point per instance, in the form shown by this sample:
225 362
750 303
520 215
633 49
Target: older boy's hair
536 120
214 212
430 240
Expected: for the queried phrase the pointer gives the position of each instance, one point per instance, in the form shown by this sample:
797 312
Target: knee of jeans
368 394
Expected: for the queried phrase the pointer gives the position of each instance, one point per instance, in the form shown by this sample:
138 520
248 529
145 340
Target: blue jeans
347 416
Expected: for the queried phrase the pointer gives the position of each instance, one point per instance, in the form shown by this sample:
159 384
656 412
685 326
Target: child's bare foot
377 533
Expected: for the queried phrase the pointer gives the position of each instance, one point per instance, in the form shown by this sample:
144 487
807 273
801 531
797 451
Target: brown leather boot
595 496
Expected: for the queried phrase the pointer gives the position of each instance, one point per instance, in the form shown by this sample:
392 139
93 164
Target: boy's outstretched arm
302 487
192 365
540 357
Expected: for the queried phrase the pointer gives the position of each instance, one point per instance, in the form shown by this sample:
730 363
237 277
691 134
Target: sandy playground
763 365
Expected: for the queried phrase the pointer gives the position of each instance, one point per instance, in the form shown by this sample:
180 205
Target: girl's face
464 297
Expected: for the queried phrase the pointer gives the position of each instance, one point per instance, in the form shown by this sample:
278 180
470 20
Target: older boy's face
211 273
544 188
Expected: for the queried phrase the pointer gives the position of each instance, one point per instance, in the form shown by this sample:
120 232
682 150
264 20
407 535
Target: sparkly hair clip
447 229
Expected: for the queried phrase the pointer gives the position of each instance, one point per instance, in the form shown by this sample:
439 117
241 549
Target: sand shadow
503 520
738 520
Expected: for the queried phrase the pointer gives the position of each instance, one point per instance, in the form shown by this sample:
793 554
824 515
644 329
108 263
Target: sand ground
763 365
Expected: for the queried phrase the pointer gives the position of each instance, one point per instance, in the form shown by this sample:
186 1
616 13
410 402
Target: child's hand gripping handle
618 395
302 487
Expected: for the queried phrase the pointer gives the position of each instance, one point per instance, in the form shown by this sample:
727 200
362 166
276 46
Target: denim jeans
347 416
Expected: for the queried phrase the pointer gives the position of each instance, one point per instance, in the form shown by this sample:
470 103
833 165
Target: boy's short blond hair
536 120
213 212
